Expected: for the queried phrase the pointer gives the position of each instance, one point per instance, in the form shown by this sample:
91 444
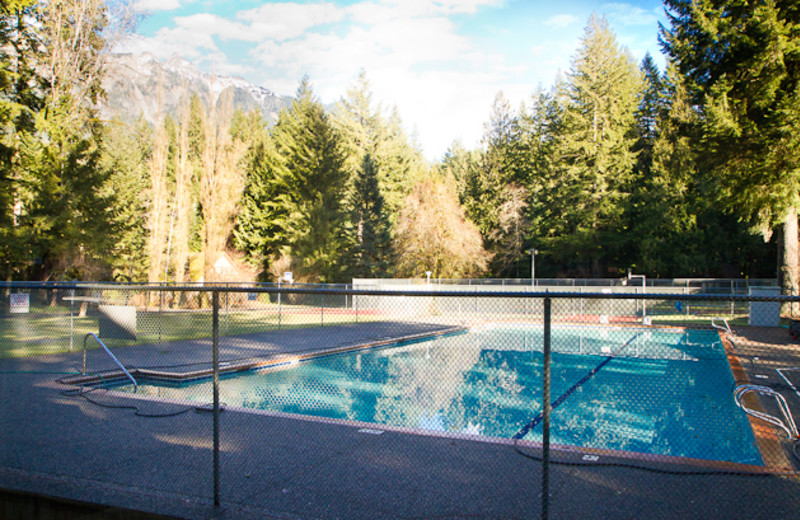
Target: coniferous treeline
611 168
600 173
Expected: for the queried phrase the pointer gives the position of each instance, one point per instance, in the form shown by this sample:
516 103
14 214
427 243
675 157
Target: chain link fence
333 402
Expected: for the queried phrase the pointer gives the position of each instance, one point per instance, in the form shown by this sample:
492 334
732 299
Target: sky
441 63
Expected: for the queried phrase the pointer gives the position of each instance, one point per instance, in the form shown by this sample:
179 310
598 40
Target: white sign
20 303
287 276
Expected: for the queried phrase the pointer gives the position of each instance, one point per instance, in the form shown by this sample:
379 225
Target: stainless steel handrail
790 429
120 365
726 328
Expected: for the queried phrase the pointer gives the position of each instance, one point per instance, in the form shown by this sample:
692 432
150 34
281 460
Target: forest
690 171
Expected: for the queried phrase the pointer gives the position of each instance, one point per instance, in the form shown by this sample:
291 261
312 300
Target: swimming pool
660 391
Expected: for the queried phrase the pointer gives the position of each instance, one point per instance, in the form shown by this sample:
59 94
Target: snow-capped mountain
132 81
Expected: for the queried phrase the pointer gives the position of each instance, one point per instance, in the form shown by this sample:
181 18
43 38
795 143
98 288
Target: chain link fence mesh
341 403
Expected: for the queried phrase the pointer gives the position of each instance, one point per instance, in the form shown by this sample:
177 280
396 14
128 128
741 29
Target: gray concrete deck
289 468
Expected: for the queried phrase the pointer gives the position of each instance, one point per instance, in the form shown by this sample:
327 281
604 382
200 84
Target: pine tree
63 211
594 155
364 130
261 224
742 68
371 255
125 155
495 171
461 164
311 171
293 212
21 89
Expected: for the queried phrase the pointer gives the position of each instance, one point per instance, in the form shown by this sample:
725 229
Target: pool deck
281 467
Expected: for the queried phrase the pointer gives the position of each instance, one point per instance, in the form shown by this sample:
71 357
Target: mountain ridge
132 82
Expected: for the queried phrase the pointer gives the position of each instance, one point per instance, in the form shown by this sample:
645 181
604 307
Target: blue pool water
657 392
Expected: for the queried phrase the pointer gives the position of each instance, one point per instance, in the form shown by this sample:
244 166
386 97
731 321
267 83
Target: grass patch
38 333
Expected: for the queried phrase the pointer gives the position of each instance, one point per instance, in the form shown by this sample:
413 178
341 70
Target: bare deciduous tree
432 234
159 193
221 183
183 195
79 35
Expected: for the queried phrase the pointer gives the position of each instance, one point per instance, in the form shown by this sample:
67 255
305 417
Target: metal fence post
546 413
160 304
71 318
215 362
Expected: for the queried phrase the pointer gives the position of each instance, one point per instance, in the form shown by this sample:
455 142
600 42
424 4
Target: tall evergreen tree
487 185
365 130
594 153
262 221
63 211
126 151
533 153
295 194
371 255
742 66
21 97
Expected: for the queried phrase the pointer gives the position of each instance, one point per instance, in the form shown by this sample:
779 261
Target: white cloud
372 48
466 6
384 10
166 42
629 15
445 106
289 20
561 20
434 67
421 64
157 5
214 25
218 64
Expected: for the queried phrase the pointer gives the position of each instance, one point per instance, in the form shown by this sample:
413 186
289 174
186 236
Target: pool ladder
120 365
726 328
787 424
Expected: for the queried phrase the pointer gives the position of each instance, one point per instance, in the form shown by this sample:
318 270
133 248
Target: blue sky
440 62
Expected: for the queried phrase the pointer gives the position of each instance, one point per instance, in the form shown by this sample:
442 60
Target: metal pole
71 320
215 361
160 304
546 413
322 312
533 252
279 303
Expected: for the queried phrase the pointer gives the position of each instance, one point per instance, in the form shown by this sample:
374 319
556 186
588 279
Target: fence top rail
577 282
430 291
